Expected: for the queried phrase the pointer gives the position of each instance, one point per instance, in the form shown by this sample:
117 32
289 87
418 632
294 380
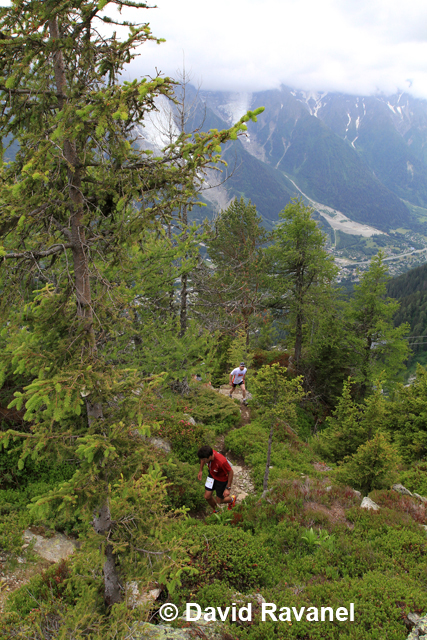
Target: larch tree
276 397
73 205
231 293
377 345
301 271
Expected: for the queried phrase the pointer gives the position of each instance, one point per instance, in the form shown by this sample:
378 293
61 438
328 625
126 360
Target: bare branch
55 248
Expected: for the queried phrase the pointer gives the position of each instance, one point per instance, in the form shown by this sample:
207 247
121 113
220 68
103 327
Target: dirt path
242 484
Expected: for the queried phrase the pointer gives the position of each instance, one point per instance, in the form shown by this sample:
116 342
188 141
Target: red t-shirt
219 467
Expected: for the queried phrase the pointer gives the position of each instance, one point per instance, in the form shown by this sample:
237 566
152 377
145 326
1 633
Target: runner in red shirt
220 477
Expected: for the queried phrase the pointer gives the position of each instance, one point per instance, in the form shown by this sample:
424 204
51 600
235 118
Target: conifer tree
377 345
276 396
231 294
74 203
301 271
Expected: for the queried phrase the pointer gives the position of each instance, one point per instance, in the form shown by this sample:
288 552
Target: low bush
185 438
210 407
229 555
184 489
415 478
373 466
43 587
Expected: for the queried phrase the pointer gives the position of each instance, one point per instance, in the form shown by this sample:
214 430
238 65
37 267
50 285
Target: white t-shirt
237 375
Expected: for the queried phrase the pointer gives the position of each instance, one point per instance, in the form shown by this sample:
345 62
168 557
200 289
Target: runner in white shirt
237 379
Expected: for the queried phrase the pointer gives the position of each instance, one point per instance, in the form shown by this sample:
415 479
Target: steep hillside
411 291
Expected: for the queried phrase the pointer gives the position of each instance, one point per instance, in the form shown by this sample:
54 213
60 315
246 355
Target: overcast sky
354 46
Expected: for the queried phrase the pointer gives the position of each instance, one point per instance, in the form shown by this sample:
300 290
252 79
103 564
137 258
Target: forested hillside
410 290
138 350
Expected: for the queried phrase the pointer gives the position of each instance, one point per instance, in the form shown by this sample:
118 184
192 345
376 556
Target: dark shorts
218 487
237 384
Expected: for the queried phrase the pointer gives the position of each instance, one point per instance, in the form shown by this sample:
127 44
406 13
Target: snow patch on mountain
159 127
236 107
312 100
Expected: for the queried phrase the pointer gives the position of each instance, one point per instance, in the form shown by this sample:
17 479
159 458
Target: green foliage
301 272
230 294
239 351
287 453
212 408
234 557
409 290
319 538
407 423
377 344
216 594
415 478
44 587
186 438
183 490
352 424
373 466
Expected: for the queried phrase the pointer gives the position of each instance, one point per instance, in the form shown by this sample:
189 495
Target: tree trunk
102 523
267 466
298 338
112 589
183 314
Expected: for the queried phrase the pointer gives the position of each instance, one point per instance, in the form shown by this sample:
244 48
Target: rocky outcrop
205 630
401 489
54 549
136 598
419 632
367 503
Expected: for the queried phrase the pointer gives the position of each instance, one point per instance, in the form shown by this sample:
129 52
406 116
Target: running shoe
231 504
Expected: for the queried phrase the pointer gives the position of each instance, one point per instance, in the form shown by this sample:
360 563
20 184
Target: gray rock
367 503
420 630
189 419
136 598
401 489
160 443
422 498
357 493
147 631
54 549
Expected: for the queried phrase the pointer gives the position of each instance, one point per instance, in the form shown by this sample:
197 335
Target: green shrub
185 438
43 587
210 407
184 490
287 455
373 466
234 557
216 594
415 478
12 525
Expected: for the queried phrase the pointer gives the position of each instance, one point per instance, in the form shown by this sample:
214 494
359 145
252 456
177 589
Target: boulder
419 632
189 419
136 598
160 443
201 629
401 489
422 498
54 549
367 503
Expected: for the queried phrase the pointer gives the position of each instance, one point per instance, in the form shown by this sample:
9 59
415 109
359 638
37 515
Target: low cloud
333 45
